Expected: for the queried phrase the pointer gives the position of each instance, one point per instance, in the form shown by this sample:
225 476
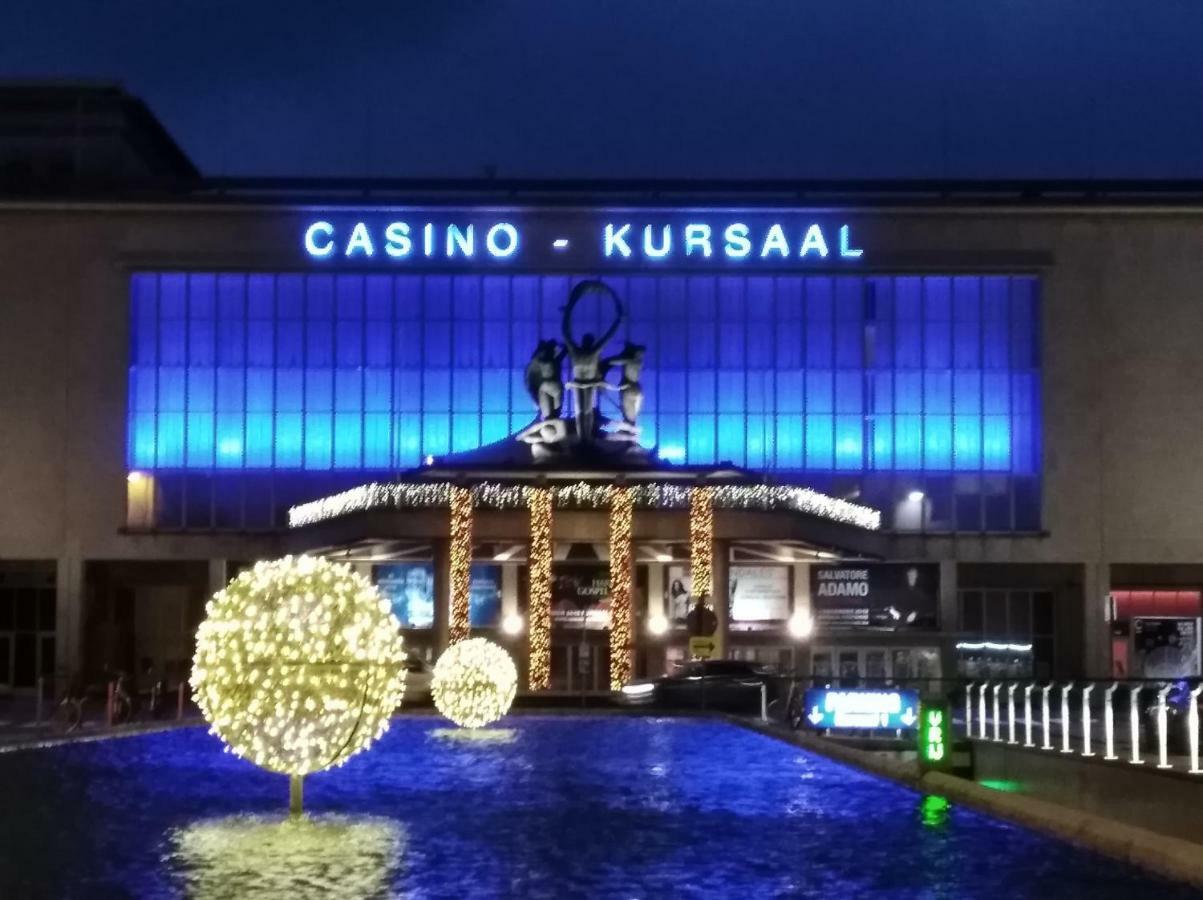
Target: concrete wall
1121 320
1169 803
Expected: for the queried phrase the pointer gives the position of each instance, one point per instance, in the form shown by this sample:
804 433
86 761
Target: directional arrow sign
704 647
862 708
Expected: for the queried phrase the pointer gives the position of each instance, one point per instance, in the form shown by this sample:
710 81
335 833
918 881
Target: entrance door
580 668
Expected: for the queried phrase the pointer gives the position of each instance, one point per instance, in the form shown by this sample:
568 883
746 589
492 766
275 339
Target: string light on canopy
474 683
539 614
461 562
701 539
622 509
298 666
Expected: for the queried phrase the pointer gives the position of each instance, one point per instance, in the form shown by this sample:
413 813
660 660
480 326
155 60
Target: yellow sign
709 647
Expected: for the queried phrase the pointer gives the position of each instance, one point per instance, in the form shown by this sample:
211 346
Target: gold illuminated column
701 540
538 499
461 562
622 510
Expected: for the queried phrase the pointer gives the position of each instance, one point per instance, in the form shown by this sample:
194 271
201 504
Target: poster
889 596
1166 648
484 595
759 596
410 589
580 594
677 598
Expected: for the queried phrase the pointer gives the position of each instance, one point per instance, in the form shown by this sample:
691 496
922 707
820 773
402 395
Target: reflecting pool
547 806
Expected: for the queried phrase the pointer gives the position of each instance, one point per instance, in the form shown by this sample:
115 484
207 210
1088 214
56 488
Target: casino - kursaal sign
417 237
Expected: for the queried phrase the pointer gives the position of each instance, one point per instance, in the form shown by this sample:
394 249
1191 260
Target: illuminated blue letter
666 245
461 239
428 239
396 240
775 241
846 249
735 239
697 236
360 241
616 240
312 246
814 240
511 243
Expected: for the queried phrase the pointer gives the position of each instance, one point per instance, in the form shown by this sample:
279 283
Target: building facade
1009 379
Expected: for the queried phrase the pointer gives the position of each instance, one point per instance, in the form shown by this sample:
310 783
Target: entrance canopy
384 520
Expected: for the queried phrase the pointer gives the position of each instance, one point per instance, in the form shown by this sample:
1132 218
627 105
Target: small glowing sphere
512 624
657 625
298 664
474 683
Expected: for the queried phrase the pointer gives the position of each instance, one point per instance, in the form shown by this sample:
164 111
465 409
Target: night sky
646 88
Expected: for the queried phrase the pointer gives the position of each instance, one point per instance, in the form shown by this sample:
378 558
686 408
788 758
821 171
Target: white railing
1086 720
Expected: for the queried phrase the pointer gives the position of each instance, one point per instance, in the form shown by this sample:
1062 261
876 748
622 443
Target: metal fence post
1134 724
108 705
1027 714
997 717
969 710
1192 720
981 710
764 702
1192 723
1065 689
1163 727
1011 712
1086 751
1048 743
179 701
1109 720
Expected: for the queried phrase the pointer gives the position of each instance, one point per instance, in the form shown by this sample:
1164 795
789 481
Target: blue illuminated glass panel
824 373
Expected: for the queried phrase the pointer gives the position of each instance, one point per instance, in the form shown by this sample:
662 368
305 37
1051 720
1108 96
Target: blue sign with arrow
862 708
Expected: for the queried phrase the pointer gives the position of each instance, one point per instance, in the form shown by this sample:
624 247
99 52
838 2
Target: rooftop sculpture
552 435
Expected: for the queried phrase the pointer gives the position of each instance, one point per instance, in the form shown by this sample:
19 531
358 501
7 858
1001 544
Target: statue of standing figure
631 361
588 374
544 381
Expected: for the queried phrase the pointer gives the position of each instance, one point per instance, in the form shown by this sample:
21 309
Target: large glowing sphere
298 664
474 683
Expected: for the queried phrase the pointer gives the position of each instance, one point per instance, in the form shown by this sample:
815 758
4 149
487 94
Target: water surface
554 806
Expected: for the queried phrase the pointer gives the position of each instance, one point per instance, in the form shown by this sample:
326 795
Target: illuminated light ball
474 683
298 664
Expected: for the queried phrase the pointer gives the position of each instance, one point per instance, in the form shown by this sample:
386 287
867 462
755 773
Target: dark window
25 659
27 609
46 610
972 621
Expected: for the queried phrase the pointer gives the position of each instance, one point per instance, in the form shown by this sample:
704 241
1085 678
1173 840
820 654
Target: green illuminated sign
935 737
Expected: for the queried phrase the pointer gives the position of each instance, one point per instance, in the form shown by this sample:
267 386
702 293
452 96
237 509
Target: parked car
730 685
418 674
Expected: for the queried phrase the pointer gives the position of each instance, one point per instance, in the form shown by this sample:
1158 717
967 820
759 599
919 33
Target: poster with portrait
409 587
759 596
885 596
580 595
677 598
1166 648
484 595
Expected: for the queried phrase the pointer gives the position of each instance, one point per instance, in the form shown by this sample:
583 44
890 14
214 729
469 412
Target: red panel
1142 603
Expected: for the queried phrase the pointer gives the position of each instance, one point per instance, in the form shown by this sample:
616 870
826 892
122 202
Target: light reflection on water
294 857
475 735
